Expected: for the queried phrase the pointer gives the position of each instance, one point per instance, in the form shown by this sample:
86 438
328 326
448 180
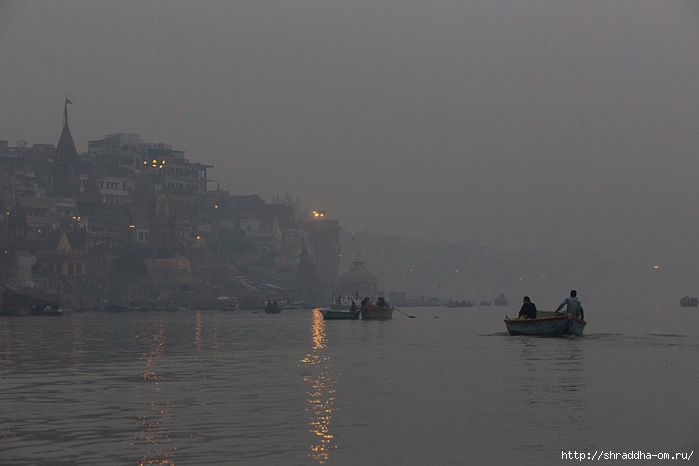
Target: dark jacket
528 310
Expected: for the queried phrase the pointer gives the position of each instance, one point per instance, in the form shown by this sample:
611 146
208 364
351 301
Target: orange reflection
320 393
153 436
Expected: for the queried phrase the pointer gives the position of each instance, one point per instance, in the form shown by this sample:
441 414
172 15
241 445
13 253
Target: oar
396 309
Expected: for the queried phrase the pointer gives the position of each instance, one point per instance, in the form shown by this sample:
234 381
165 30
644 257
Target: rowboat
272 307
688 301
373 312
329 314
546 326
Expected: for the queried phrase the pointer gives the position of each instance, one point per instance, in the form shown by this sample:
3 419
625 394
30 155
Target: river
448 387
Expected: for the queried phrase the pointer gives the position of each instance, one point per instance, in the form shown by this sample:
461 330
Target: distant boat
501 300
227 303
330 314
463 303
272 307
486 303
546 326
688 301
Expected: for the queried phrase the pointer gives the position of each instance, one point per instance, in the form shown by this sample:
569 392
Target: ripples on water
449 387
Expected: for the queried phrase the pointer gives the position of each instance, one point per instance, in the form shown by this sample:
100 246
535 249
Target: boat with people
382 310
501 300
273 307
546 324
689 301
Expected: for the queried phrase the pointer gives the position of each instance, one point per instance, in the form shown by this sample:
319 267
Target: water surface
448 387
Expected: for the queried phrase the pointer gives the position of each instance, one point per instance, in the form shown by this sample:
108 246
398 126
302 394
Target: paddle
396 309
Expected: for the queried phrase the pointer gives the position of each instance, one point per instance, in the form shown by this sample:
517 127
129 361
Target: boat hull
374 312
546 326
329 314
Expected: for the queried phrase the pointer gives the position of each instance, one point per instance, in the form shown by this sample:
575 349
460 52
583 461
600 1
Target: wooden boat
688 301
373 312
501 300
272 307
546 326
330 314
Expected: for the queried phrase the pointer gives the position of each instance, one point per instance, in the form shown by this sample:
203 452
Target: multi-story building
324 237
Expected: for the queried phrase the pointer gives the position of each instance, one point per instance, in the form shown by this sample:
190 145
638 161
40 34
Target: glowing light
656 266
320 392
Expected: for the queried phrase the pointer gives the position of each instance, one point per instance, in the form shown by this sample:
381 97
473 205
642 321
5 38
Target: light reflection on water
320 391
152 435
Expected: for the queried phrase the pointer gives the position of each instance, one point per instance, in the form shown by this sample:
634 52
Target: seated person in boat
572 305
528 309
354 307
381 302
366 301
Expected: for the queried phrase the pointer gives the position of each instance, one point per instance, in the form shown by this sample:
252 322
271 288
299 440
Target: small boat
227 303
272 307
501 300
463 303
371 311
546 326
330 314
688 301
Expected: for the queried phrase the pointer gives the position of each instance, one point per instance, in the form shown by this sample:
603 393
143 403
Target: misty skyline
528 125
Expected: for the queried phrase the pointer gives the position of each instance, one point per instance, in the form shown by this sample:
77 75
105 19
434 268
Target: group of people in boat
571 304
380 302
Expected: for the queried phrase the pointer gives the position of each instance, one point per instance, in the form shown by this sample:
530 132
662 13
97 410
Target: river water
448 387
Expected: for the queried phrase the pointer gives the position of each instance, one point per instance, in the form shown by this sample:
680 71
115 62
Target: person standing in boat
528 309
572 305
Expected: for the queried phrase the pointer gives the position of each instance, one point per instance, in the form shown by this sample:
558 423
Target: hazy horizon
540 125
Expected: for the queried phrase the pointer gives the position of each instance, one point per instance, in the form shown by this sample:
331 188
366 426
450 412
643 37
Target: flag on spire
68 101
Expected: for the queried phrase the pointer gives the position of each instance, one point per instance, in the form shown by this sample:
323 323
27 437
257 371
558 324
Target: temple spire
65 112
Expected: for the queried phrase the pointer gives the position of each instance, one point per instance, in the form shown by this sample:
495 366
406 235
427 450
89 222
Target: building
324 238
358 282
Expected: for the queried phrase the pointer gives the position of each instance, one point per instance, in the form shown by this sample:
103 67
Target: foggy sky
521 125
